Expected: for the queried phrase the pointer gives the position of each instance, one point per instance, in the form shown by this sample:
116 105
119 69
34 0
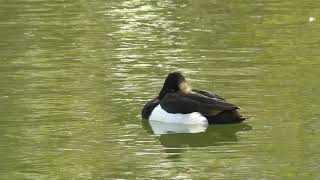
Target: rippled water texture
74 76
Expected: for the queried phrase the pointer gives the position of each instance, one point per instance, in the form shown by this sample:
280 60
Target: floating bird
178 103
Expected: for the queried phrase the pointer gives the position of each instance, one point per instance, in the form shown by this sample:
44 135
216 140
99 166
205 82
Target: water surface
75 75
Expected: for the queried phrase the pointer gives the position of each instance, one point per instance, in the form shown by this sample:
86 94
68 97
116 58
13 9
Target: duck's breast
158 114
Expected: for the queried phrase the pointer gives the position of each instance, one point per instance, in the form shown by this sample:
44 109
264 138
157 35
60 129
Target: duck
177 103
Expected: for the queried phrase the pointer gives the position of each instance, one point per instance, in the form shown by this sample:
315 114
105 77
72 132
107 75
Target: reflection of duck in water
211 136
177 103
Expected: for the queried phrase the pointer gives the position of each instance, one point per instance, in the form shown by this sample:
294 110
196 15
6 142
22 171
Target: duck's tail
226 117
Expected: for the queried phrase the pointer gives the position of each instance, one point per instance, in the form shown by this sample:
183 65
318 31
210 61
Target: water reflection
177 138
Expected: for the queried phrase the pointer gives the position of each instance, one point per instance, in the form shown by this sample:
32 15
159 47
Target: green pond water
74 76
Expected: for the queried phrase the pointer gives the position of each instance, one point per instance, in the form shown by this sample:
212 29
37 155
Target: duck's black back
194 102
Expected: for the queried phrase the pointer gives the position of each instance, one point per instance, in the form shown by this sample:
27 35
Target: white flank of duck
158 114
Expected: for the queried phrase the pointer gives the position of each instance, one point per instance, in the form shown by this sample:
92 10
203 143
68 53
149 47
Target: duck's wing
208 94
148 108
194 102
